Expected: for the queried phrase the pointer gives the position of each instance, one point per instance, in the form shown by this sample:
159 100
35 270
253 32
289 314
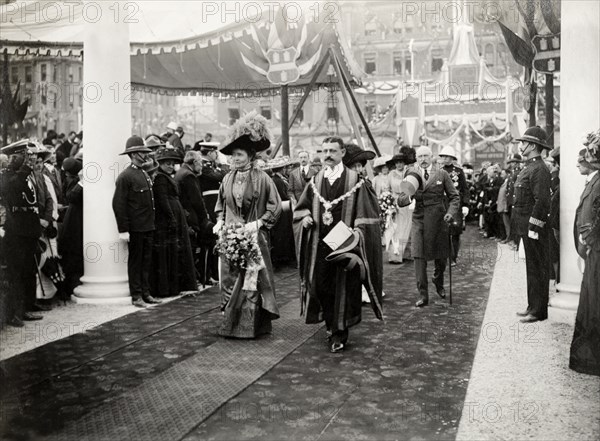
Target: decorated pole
549 89
307 90
285 128
6 88
344 93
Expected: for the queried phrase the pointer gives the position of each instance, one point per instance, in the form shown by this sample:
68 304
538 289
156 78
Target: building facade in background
392 42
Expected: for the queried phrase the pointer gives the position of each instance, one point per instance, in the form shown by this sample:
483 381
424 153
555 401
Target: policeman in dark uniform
447 157
514 164
22 230
530 212
210 182
133 205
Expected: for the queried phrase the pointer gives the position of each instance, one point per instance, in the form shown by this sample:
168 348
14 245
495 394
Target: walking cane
37 267
451 252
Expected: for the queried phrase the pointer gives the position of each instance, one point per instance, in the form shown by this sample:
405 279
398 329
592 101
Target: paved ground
163 373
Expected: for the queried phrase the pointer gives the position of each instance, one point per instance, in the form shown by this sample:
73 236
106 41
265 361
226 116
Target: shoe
523 313
28 316
530 319
441 292
38 307
151 300
139 303
336 347
504 241
420 303
16 322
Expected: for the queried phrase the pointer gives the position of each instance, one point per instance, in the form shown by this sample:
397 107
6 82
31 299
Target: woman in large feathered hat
248 196
585 347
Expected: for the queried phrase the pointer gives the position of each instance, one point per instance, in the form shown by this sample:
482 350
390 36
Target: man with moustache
22 230
437 206
331 291
448 158
133 205
530 212
299 177
190 195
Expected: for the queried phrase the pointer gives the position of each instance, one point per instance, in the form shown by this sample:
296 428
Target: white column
579 114
106 126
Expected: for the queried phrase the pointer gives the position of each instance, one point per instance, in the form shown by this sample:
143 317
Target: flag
533 17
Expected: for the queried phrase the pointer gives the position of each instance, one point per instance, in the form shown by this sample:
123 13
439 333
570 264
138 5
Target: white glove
1 232
253 226
124 236
533 235
465 211
217 227
44 223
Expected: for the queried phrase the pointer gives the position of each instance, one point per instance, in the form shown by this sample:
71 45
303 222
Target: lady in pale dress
381 182
397 236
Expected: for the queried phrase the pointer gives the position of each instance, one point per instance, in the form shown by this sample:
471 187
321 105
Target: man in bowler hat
133 205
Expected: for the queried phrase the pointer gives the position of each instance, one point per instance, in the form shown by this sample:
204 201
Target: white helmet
448 151
172 125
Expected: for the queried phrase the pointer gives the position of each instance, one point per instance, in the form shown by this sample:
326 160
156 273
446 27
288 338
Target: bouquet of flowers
388 208
238 246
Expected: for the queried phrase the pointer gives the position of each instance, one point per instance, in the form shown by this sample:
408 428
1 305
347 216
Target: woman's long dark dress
248 314
70 239
172 260
585 347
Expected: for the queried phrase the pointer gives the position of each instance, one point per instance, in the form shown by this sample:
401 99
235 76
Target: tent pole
344 92
6 90
285 128
307 91
550 108
360 114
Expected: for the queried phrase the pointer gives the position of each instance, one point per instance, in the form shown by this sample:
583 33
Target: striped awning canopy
189 47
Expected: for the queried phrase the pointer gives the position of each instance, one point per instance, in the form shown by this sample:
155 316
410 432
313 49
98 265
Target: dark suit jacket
297 184
586 217
434 199
133 201
190 196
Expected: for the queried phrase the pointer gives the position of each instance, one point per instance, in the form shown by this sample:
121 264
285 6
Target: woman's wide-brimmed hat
355 154
536 135
398 157
250 132
378 163
592 145
135 144
277 163
168 153
44 153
